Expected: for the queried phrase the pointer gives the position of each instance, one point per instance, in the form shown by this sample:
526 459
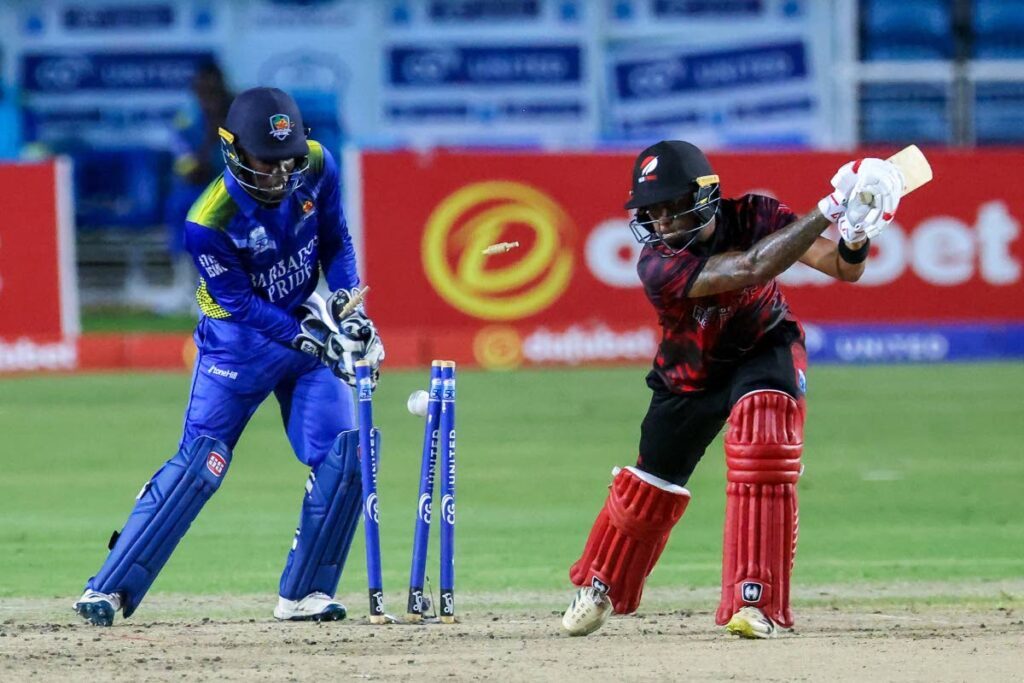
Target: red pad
628 536
762 454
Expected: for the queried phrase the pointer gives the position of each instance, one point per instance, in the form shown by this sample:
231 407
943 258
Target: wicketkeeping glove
319 337
361 335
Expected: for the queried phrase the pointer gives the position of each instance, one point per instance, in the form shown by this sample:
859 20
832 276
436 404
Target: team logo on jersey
259 242
307 206
751 591
281 126
647 168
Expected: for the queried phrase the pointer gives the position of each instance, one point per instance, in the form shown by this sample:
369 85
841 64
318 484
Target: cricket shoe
98 608
313 607
750 622
587 612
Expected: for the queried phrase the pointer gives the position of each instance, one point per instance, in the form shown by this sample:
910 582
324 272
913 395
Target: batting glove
873 201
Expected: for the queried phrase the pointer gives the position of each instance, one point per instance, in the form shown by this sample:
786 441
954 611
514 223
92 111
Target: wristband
854 256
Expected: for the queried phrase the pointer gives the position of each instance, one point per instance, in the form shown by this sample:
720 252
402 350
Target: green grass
913 473
127 321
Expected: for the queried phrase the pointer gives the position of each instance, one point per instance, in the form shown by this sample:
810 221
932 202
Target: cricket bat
915 168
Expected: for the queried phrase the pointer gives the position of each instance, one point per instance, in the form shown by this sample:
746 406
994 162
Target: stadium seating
998 29
120 188
902 112
997 113
906 29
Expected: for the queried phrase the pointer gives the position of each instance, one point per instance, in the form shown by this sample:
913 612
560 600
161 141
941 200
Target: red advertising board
38 294
569 292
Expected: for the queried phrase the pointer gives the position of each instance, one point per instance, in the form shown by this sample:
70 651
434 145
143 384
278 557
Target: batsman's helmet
265 124
671 170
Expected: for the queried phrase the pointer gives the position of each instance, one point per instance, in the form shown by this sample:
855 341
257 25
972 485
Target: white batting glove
833 207
872 205
846 180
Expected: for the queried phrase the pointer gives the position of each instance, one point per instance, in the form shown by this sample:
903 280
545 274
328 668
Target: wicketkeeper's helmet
266 124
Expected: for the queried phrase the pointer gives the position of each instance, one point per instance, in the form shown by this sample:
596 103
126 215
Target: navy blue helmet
264 128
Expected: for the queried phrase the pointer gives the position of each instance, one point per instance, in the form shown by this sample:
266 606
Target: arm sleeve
768 215
228 285
337 255
669 278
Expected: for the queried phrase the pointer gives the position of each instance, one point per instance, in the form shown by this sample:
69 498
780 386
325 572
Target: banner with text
569 293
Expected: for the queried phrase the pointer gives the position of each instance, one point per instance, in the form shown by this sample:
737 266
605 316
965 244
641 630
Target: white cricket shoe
750 622
98 608
313 607
587 612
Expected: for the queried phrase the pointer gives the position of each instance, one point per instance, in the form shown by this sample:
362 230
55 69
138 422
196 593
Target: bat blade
916 169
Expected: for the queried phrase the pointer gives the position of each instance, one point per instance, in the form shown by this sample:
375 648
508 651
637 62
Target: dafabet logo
503 287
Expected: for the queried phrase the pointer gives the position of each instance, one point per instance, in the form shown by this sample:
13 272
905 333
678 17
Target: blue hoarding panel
915 343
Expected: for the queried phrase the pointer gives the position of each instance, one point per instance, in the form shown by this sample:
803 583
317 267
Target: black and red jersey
704 336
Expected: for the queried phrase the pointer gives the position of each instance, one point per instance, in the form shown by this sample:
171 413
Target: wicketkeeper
259 236
731 351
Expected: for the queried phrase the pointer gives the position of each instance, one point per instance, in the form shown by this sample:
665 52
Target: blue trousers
237 368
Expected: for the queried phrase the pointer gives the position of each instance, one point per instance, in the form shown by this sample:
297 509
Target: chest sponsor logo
259 242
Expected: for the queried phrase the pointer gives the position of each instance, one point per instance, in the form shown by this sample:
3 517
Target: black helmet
266 124
669 170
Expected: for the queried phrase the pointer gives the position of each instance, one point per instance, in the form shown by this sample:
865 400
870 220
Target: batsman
731 353
260 235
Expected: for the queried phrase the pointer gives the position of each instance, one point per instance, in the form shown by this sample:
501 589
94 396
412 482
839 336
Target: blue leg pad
163 512
330 514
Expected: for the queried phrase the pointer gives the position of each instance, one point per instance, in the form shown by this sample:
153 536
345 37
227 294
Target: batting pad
628 536
163 512
327 524
762 455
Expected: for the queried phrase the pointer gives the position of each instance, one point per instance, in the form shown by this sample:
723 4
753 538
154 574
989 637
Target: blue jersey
258 263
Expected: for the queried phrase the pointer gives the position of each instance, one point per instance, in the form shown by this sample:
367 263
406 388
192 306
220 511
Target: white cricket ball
417 403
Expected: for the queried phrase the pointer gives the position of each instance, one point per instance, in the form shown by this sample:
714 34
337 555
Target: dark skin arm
824 256
766 258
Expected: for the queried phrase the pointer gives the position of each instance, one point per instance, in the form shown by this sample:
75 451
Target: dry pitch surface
167 641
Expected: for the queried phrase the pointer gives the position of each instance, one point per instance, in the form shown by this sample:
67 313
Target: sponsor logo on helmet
281 126
647 168
801 380
751 591
216 463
